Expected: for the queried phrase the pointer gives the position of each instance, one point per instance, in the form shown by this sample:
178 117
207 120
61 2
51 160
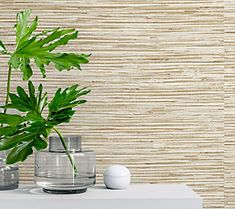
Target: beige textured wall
162 81
229 103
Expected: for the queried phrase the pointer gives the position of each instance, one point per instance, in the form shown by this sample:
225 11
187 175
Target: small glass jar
9 174
61 172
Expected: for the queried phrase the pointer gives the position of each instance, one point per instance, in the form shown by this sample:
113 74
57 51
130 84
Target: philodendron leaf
14 61
38 48
8 130
22 27
67 61
40 144
11 119
22 143
31 103
11 141
60 37
66 98
3 49
60 108
33 134
20 152
41 65
26 68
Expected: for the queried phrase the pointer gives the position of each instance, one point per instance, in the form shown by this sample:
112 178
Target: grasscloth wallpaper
163 83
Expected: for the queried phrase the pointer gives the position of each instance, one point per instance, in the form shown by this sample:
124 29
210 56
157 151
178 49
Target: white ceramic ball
117 177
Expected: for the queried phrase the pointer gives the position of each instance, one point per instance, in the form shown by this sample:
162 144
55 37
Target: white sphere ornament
117 177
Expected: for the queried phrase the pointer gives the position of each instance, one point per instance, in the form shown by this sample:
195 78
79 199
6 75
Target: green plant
30 128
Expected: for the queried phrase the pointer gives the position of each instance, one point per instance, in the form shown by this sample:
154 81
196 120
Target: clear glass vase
9 174
64 173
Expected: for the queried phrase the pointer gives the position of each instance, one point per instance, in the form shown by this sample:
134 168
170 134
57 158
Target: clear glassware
9 174
57 173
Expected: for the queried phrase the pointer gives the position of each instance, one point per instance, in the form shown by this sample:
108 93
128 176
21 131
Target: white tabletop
136 196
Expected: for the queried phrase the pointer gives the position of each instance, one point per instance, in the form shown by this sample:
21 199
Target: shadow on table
34 190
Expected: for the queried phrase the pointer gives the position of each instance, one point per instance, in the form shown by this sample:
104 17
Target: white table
137 196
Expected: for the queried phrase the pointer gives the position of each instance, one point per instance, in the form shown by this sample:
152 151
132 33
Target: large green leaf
26 68
25 148
67 98
11 119
28 102
40 144
20 152
60 108
8 130
3 49
22 140
21 26
11 141
39 47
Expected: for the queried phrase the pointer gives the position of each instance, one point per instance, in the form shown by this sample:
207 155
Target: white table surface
136 196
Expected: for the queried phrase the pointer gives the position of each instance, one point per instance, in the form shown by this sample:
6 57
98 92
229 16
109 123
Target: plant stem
66 151
8 87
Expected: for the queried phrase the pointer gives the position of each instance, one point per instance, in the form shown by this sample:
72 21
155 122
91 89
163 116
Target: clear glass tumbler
64 173
9 174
